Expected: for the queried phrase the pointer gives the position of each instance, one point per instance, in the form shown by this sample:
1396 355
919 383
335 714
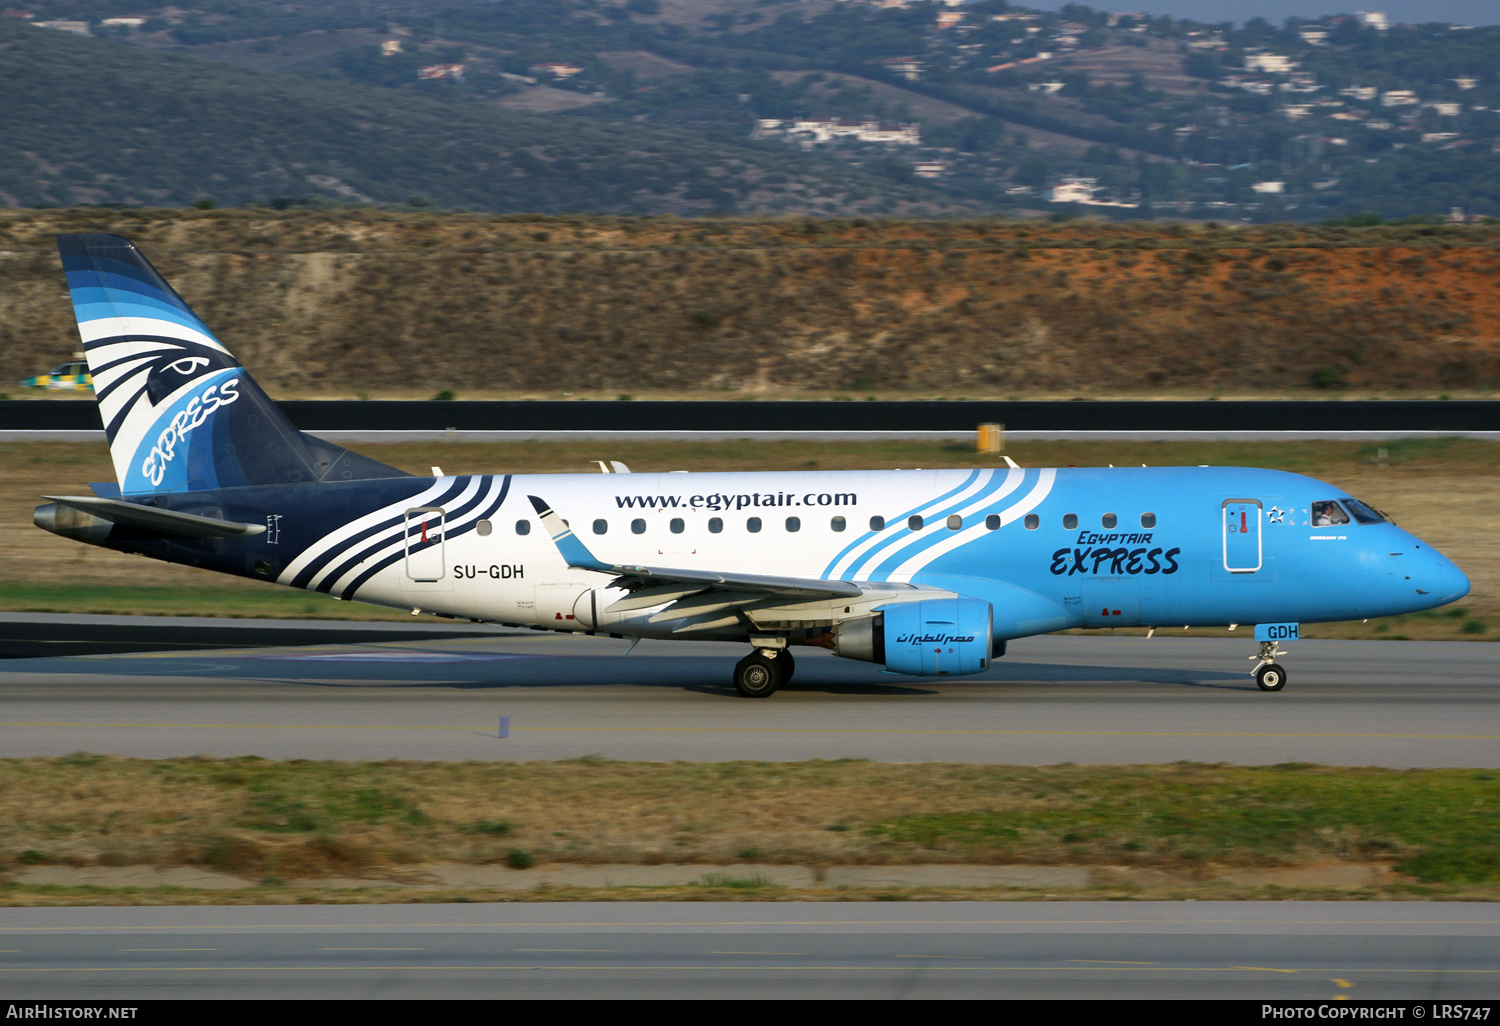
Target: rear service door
1242 536
424 543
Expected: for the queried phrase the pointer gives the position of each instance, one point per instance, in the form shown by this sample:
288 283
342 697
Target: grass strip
304 819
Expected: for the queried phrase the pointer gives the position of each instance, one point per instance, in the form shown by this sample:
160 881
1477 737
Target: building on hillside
1313 35
557 69
909 68
436 71
812 131
1365 93
1372 19
390 48
1466 83
1045 87
1268 188
1074 190
131 22
1444 108
1437 137
1297 110
77 27
1399 98
1270 63
18 13
930 168
947 19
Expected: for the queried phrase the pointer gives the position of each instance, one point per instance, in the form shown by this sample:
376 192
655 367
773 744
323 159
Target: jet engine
930 637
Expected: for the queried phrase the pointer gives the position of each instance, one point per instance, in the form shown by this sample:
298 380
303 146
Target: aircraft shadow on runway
705 675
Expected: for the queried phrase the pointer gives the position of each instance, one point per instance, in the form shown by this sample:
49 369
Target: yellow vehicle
74 374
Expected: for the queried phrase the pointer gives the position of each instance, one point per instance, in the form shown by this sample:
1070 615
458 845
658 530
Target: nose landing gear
1268 673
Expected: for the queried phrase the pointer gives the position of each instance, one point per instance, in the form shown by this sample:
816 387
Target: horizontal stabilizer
161 521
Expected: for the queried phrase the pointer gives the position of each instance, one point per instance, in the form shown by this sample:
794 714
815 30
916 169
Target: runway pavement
1053 699
1305 951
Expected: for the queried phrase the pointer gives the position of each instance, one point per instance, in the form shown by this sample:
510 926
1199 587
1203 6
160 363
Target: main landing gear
760 673
1268 673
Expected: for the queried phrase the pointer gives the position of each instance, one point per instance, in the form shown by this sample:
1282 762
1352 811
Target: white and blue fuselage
923 571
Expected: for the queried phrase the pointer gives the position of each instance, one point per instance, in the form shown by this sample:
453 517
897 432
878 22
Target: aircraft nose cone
1452 583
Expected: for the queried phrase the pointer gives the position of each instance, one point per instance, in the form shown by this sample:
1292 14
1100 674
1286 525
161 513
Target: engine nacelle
931 637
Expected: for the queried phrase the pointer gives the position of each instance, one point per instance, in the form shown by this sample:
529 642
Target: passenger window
1327 513
1148 519
1070 521
1033 521
794 523
523 526
676 525
992 522
601 526
913 523
1108 521
715 525
1365 514
753 525
483 528
955 522
637 526
837 523
877 523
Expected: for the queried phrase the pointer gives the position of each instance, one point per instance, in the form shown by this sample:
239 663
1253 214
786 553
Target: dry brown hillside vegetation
344 303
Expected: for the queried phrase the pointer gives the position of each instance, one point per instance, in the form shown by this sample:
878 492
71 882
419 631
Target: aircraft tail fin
179 411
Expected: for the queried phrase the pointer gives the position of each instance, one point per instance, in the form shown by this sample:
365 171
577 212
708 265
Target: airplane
923 572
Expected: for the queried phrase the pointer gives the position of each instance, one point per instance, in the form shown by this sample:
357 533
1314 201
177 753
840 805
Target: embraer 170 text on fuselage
927 572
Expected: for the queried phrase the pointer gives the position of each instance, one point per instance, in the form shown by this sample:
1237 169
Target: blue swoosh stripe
878 554
936 531
900 516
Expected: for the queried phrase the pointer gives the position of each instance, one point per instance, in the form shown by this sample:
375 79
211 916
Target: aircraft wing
664 584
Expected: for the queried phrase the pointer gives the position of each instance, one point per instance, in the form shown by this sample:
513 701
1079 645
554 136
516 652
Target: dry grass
337 304
305 819
1444 491
16 896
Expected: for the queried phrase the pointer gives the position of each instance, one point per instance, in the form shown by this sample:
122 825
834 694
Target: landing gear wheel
788 666
755 676
1270 677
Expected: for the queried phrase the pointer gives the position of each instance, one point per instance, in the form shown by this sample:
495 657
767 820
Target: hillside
144 127
409 304
1312 119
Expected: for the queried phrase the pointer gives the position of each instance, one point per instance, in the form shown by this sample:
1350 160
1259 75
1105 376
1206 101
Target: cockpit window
1327 513
1365 514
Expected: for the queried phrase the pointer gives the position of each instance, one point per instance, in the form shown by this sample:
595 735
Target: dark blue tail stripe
367 543
354 586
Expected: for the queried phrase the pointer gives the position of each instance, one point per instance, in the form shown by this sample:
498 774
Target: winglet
572 550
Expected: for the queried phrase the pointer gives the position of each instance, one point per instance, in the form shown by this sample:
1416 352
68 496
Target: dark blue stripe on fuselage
348 593
383 533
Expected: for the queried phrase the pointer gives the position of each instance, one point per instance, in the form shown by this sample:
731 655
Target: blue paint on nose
1452 583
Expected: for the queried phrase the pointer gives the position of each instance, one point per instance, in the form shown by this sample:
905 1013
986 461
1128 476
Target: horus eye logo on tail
179 411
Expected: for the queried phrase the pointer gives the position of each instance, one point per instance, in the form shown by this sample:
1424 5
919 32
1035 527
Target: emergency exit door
1243 552
424 543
